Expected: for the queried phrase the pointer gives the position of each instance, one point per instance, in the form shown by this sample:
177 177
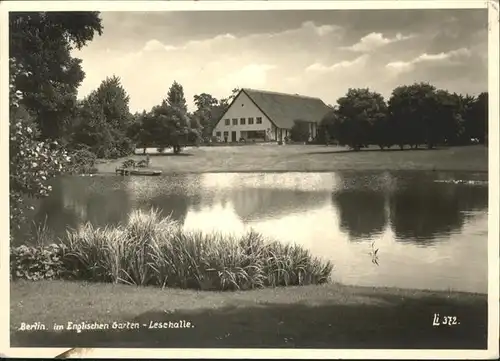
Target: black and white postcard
249 179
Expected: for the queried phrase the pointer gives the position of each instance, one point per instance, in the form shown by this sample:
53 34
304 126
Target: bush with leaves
82 161
33 162
37 262
300 131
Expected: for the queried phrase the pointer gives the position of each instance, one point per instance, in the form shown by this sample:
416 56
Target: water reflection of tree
52 213
76 200
426 211
172 195
472 198
361 211
97 201
109 208
176 205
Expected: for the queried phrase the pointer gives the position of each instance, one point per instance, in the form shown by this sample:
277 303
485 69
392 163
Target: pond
431 231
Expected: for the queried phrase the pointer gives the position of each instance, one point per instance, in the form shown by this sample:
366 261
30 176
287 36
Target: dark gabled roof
283 109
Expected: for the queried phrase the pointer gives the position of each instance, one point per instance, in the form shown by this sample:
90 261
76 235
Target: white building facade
244 120
256 116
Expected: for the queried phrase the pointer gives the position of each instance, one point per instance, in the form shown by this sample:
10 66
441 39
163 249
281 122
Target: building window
250 121
218 134
242 121
256 135
235 121
259 120
227 121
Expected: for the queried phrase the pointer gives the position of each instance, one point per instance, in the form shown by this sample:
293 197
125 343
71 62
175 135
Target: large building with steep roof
257 115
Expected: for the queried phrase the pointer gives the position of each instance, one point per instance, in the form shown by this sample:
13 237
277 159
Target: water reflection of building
261 196
254 204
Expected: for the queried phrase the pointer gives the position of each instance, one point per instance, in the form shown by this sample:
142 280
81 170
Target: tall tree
42 42
177 103
226 102
104 120
412 112
208 111
169 124
114 101
43 87
358 111
448 125
476 122
467 102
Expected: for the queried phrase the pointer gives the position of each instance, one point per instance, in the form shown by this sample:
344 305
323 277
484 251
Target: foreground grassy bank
310 158
316 316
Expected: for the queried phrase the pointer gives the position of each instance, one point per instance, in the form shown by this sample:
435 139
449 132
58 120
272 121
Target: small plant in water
374 253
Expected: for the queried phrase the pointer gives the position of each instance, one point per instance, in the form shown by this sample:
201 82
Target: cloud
321 30
318 67
221 40
251 75
452 57
155 45
295 52
308 31
374 41
210 42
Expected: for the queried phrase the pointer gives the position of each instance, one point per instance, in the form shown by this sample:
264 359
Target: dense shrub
83 161
150 250
37 262
32 162
300 131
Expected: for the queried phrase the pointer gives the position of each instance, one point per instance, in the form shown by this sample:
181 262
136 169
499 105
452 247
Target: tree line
170 124
414 115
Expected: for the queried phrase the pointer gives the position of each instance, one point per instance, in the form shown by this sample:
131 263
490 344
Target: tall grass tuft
150 249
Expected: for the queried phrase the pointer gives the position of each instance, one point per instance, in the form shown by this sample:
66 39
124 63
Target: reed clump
153 250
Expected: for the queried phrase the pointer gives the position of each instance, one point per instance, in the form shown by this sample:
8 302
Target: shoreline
175 172
322 316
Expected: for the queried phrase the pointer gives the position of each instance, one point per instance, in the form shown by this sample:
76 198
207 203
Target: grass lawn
308 158
327 316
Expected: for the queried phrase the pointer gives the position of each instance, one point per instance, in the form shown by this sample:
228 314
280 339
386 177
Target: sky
314 53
